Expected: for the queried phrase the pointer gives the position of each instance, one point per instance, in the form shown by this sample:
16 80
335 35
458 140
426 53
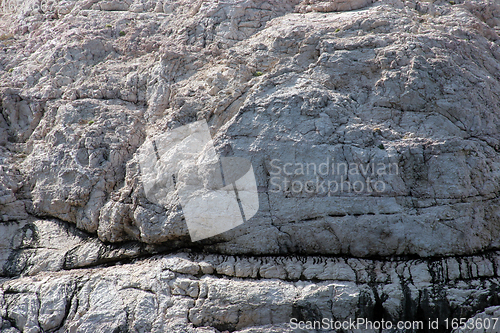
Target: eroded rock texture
331 5
284 83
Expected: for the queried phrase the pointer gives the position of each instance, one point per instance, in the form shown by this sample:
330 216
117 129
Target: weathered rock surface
291 85
186 292
331 5
382 77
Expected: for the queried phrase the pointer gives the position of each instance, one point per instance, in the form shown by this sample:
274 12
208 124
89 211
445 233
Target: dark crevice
21 254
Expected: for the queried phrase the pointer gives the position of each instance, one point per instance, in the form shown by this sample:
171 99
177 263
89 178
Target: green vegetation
11 70
257 73
337 30
381 146
109 26
122 33
91 122
452 2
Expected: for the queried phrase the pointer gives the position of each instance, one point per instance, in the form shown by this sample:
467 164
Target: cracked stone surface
193 292
290 85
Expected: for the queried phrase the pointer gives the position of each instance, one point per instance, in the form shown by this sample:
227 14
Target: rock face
373 129
212 293
331 5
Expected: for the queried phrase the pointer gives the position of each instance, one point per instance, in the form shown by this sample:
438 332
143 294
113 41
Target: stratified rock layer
186 292
296 87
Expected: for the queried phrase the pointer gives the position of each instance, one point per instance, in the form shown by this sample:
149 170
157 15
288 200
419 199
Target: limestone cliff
373 130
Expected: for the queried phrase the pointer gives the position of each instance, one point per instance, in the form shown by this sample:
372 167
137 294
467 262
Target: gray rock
356 101
162 294
373 132
307 6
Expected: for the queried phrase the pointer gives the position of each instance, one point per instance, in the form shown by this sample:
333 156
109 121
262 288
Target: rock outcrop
373 129
331 5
